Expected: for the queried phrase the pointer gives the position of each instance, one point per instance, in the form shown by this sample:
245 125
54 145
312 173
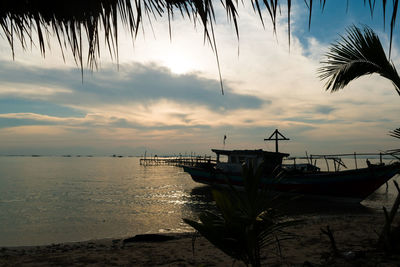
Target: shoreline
355 236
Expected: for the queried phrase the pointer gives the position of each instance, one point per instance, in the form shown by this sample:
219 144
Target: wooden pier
176 160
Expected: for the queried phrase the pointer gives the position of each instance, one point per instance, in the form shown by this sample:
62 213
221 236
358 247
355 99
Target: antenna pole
276 136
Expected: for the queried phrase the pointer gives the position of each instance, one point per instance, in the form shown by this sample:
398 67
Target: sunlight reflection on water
54 199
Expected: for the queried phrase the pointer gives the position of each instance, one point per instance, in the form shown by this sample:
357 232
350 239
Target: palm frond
393 22
357 54
395 133
246 221
77 24
75 20
395 152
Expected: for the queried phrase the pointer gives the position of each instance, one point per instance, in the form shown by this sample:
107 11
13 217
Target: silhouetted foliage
395 133
358 53
246 223
74 21
389 238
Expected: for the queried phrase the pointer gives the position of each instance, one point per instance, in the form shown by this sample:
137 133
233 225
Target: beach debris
149 238
336 253
329 233
195 235
389 238
353 255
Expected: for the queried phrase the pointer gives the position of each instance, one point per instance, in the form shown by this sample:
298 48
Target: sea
48 200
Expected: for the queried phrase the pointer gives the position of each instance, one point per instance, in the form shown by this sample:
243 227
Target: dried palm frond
355 55
74 21
71 21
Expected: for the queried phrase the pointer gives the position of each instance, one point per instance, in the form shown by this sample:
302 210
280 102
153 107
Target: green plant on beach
247 222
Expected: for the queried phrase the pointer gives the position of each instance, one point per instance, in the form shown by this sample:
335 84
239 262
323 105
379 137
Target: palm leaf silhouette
357 54
77 24
247 221
395 133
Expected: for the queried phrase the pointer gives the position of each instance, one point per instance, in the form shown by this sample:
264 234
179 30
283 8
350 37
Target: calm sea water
46 200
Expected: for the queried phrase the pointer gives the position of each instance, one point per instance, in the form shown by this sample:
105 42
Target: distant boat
305 179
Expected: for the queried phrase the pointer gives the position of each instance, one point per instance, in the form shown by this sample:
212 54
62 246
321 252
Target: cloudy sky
164 96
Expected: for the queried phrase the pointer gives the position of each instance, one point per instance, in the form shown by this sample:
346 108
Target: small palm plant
246 222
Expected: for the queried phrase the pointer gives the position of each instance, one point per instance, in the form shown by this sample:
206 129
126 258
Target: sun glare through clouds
178 64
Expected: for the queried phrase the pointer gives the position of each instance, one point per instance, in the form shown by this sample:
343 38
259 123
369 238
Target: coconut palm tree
358 54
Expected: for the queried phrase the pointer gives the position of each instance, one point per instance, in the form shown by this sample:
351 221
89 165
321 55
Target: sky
164 96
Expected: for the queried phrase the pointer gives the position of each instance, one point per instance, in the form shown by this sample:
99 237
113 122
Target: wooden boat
306 179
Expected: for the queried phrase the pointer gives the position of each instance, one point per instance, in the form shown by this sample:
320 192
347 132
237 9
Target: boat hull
354 185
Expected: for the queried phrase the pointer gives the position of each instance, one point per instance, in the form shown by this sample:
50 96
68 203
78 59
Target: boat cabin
236 158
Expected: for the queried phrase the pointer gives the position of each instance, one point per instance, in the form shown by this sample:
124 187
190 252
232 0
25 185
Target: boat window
233 159
223 158
242 159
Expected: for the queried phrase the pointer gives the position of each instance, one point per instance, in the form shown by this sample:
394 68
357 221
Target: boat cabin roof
256 152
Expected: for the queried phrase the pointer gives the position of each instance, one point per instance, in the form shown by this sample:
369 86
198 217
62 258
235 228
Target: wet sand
356 236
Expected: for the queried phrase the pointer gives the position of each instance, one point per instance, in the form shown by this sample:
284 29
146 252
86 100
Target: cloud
324 109
23 105
144 102
133 83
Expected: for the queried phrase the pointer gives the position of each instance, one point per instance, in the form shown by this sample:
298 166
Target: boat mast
276 136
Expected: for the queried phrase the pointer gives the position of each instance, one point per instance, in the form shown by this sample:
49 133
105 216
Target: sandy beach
355 235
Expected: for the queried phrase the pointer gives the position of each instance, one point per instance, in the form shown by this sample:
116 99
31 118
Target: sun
178 63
